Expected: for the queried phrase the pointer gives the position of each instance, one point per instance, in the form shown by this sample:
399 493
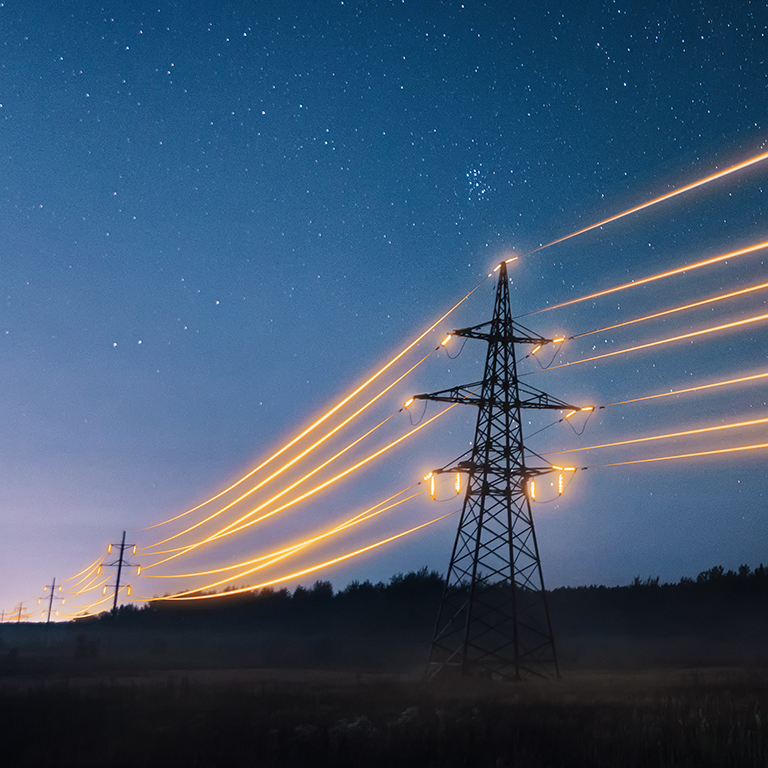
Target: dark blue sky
217 217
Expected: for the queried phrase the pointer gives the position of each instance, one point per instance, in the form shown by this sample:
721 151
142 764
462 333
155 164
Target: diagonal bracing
493 618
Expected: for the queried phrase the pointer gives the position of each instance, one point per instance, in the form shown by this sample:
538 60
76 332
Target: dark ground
652 675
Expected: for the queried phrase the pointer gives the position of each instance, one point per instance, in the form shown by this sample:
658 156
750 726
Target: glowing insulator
588 408
427 476
45 589
134 549
558 340
497 268
38 601
560 483
104 591
536 349
457 482
64 601
59 589
432 486
532 489
138 570
569 469
408 403
569 414
129 590
554 466
109 549
446 339
98 571
514 258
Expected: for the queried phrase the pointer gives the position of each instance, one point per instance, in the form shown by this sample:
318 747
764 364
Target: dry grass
303 718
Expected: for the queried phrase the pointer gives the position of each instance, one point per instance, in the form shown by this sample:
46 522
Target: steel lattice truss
493 617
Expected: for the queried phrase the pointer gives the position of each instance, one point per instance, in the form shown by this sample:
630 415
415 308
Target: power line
229 530
653 278
697 388
669 435
329 413
658 342
693 305
682 456
362 517
656 200
189 594
293 461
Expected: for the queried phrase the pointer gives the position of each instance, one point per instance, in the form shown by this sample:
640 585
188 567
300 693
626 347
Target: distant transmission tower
51 598
494 619
120 563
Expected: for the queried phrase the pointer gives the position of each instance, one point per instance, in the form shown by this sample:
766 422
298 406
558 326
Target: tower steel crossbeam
493 618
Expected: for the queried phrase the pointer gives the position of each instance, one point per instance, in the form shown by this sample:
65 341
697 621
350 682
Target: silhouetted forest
718 618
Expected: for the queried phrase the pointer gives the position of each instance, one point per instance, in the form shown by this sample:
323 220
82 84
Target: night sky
217 218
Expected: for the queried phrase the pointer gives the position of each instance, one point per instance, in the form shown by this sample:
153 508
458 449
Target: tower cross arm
510 335
530 397
508 332
464 393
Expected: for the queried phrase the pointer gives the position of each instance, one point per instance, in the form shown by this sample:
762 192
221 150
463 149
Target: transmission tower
493 618
120 563
51 598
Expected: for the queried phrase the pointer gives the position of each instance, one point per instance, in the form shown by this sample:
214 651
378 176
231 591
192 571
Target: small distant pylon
51 598
494 619
120 563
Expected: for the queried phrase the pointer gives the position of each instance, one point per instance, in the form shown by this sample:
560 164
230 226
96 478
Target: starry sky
217 218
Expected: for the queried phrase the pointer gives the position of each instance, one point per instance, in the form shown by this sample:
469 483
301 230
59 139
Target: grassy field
264 717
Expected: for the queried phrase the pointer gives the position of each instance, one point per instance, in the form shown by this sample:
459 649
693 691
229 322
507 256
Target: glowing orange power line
657 343
274 557
229 530
657 200
699 431
684 455
690 389
93 568
275 497
87 568
89 587
293 461
189 595
341 475
328 414
659 276
371 512
711 300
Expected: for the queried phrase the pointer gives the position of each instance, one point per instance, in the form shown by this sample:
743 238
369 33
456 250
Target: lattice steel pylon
494 619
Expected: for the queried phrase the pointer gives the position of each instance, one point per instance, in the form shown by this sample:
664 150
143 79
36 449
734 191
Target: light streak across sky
717 451
656 200
659 276
659 342
371 512
189 595
329 413
669 435
240 523
279 495
300 456
697 388
693 305
87 568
